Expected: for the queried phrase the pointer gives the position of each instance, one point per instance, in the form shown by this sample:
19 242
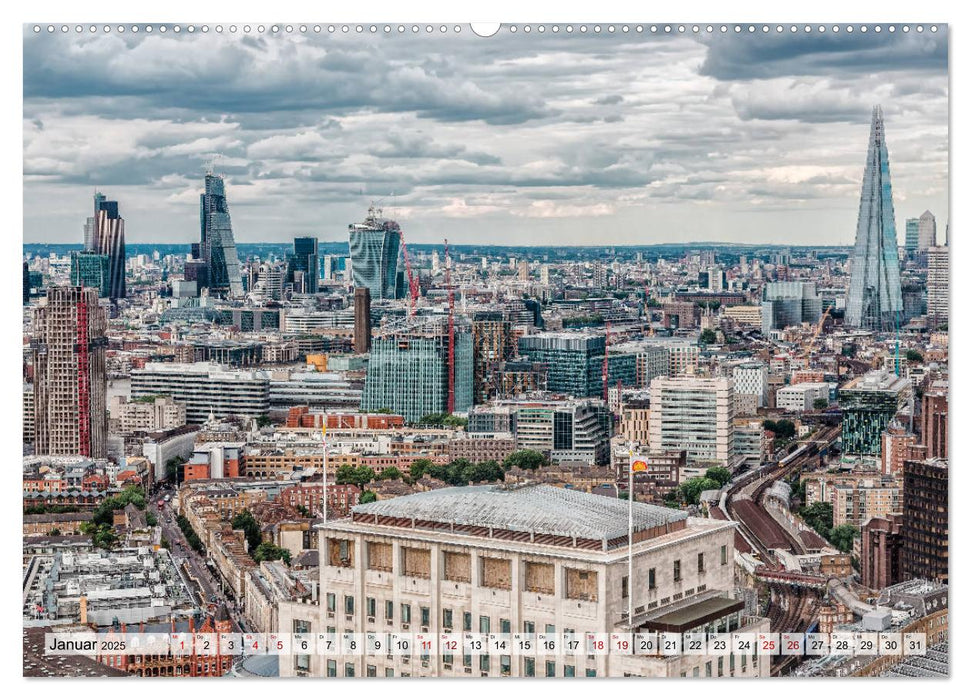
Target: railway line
792 608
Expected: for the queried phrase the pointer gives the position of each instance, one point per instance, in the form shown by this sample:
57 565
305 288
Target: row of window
676 572
505 667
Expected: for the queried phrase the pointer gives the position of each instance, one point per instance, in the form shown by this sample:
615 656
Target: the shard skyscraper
874 301
218 247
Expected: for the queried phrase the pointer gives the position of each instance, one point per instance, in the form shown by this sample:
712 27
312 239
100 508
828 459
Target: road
208 591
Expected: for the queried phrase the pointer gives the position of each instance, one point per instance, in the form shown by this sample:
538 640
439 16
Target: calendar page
450 350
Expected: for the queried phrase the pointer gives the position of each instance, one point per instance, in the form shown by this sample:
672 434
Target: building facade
925 521
205 389
869 403
696 415
528 559
70 339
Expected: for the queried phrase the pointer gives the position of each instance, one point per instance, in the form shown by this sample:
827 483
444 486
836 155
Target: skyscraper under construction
104 235
874 301
69 374
218 247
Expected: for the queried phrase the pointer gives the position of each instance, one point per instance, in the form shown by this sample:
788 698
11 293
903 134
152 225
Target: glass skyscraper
218 247
408 373
107 237
90 269
374 246
874 301
304 259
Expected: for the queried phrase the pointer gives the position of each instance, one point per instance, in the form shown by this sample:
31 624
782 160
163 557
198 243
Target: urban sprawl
533 459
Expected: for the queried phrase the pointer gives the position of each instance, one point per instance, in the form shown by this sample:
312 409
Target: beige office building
521 559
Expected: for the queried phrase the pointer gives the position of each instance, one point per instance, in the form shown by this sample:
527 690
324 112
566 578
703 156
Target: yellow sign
638 465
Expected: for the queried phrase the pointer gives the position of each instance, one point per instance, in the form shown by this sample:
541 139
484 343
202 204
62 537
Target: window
529 627
550 629
458 567
348 605
677 570
348 670
651 580
301 662
467 660
505 665
389 610
568 671
591 673
529 667
581 585
372 671
447 659
331 602
504 626
371 605
724 554
701 562
495 573
484 663
484 624
389 673
623 588
406 613
467 622
379 556
447 618
540 577
331 668
550 669
425 617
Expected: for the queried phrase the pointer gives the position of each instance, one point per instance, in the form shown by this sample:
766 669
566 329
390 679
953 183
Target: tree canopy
525 459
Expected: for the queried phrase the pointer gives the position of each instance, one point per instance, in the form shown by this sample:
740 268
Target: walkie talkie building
374 246
874 301
218 244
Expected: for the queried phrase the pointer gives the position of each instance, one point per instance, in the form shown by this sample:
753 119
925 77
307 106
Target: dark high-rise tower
874 301
108 238
218 247
362 320
305 260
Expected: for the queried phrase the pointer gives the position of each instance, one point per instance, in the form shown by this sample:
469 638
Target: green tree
419 467
820 404
368 497
389 473
263 421
719 474
344 474
914 356
245 521
692 488
708 337
267 551
151 520
525 459
842 537
54 532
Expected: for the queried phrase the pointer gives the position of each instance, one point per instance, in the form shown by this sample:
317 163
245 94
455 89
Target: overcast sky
515 139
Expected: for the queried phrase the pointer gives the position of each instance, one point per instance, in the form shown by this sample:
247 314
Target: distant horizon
688 244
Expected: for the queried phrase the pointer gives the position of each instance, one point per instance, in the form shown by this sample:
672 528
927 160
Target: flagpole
323 437
630 543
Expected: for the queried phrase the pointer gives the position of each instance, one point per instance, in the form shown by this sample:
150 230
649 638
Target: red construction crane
451 330
84 388
412 282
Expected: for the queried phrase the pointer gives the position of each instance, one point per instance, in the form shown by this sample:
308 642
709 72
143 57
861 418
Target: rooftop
528 508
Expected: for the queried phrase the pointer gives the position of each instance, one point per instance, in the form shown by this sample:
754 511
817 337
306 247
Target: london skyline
515 139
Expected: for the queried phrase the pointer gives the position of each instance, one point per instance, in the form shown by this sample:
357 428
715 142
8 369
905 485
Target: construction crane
451 330
606 366
819 329
412 281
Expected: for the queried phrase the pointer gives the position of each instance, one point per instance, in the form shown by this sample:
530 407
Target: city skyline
514 139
